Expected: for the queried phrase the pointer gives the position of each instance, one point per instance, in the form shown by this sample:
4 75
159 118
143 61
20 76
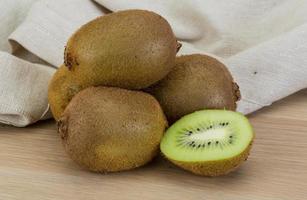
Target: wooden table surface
33 165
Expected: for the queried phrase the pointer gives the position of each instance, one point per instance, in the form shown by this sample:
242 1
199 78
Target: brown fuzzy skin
107 129
129 49
62 87
196 82
214 168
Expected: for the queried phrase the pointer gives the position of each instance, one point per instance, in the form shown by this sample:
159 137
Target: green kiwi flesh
130 49
107 129
196 82
208 142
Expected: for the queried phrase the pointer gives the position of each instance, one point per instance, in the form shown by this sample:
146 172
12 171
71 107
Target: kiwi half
209 142
196 82
107 129
130 49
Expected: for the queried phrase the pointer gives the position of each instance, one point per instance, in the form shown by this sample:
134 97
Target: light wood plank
35 166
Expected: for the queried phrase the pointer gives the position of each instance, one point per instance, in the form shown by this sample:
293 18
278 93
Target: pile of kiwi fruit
122 97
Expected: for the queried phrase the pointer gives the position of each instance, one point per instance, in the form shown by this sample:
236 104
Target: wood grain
35 166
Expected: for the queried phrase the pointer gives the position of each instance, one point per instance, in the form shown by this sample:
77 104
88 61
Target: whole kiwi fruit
196 82
209 142
130 49
62 87
107 129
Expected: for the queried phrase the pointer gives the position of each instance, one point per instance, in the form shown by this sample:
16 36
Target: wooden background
33 165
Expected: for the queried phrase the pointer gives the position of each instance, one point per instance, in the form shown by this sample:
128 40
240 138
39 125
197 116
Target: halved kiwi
208 142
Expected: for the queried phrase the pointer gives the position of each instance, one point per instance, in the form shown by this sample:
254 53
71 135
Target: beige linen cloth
262 42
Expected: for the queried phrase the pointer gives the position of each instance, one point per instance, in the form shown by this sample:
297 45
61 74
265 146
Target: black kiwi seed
198 129
209 143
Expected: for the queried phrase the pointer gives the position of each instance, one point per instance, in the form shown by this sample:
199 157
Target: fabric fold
23 90
263 43
44 33
49 24
271 70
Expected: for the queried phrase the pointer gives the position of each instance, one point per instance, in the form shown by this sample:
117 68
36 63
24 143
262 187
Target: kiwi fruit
62 87
208 142
107 129
196 82
130 49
